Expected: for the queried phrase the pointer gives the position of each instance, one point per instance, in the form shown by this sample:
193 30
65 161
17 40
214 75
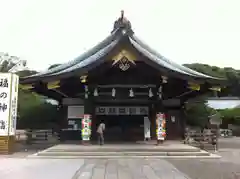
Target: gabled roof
122 29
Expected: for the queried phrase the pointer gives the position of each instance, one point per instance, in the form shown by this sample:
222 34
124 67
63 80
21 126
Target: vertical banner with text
8 103
14 102
86 127
161 126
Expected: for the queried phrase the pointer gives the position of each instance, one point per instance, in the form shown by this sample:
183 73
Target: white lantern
131 93
113 92
164 79
95 92
150 93
160 95
86 91
160 89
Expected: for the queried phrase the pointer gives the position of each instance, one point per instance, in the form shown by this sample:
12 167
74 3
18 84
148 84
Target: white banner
5 98
147 134
123 110
14 102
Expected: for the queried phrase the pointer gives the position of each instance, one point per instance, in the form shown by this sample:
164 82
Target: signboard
75 112
14 102
86 127
5 97
123 110
161 126
215 119
8 103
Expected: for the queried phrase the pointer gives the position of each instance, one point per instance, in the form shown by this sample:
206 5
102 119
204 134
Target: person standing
100 131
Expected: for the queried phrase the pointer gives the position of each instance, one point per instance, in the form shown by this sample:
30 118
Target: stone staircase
121 151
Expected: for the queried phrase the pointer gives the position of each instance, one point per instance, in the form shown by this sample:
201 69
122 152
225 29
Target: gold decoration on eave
124 59
26 87
194 86
215 88
53 85
83 79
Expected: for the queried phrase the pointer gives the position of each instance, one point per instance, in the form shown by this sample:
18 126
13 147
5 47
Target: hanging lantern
150 93
160 95
95 93
164 79
86 91
160 89
83 79
131 93
160 92
113 92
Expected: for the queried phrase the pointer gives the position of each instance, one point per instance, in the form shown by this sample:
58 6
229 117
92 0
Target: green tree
34 111
230 74
197 112
10 63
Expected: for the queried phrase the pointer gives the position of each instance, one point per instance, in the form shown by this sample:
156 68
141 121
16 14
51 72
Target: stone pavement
88 169
227 167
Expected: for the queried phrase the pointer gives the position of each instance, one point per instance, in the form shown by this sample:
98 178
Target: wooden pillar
183 119
63 121
152 117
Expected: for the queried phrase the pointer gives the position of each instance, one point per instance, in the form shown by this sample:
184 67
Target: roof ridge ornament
122 23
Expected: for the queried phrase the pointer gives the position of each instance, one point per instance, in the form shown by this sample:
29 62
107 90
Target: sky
46 32
223 104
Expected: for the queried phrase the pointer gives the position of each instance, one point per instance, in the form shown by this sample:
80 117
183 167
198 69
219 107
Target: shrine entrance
125 123
122 80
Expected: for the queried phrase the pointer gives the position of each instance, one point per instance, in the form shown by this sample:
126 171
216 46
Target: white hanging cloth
150 93
95 93
131 93
113 92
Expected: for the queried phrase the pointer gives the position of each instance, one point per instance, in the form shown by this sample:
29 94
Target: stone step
200 153
126 150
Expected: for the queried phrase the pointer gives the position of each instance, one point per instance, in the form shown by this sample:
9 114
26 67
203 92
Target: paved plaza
12 168
227 167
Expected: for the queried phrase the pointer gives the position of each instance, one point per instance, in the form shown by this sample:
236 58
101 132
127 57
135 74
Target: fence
37 136
226 133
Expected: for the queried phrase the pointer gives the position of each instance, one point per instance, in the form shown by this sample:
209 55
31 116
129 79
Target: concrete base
166 150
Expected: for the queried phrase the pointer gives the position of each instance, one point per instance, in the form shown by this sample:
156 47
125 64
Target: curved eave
80 67
94 57
161 60
74 62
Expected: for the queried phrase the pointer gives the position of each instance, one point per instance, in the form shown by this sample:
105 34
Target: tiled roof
83 63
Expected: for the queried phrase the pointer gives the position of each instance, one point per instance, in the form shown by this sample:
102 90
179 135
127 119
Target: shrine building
121 80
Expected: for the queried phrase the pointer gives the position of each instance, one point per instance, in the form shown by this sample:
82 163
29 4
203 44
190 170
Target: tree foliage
10 63
197 113
228 73
33 110
231 116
